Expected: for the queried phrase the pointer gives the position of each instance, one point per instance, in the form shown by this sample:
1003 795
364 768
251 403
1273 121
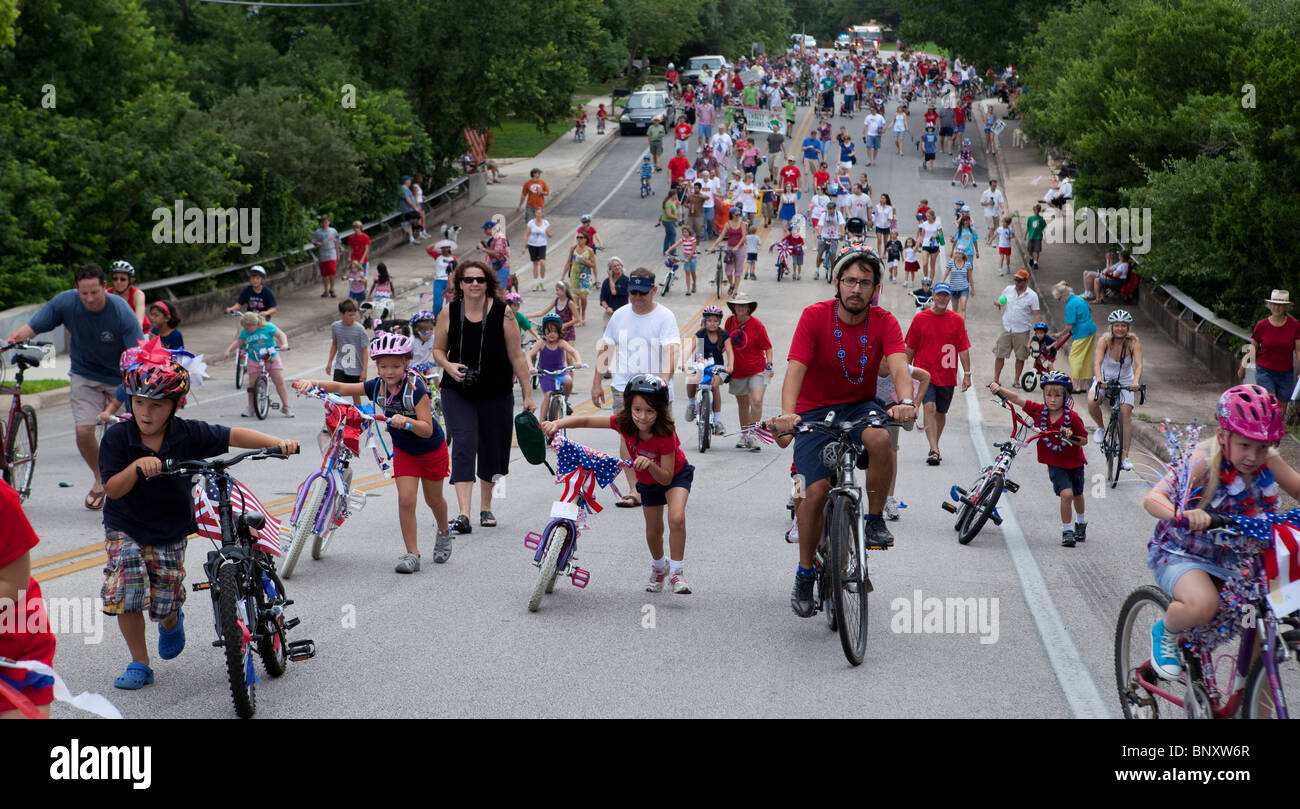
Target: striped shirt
689 243
958 277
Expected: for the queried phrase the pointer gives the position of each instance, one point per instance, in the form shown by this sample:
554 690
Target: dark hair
866 258
642 272
534 172
347 305
173 316
89 272
492 282
381 273
559 328
663 426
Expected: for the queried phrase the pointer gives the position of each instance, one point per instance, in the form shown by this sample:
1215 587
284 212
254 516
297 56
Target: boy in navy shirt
928 145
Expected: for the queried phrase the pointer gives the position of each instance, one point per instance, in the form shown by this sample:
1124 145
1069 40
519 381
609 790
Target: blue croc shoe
136 676
171 642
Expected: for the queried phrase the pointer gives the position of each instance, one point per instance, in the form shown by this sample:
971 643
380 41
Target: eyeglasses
474 279
636 292
855 283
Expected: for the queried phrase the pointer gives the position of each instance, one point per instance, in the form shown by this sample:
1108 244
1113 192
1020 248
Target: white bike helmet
1120 316
121 266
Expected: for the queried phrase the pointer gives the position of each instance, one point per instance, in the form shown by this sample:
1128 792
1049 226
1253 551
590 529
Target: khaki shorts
743 386
1081 357
88 399
1009 341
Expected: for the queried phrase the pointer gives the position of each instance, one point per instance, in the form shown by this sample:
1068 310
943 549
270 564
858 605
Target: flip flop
933 458
171 642
486 519
629 501
95 500
136 676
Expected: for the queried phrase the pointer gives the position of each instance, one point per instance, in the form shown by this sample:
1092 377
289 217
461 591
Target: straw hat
741 299
1280 296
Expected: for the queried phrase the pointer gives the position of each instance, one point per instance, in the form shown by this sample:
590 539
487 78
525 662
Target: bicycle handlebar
218 466
335 399
24 345
844 429
1242 525
560 372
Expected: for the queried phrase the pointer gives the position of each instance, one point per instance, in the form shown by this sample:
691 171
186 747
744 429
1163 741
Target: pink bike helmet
1251 411
386 343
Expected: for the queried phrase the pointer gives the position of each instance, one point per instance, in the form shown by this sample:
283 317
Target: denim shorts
656 494
808 446
1167 573
1279 383
873 141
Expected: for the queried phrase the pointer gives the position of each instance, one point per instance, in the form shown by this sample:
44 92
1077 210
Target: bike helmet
121 266
1057 378
259 269
645 384
852 252
1251 411
711 311
926 281
585 218
514 297
553 318
390 344
1119 316
170 381
1040 325
424 314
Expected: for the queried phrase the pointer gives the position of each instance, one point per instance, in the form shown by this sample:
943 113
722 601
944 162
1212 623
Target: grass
42 385
521 139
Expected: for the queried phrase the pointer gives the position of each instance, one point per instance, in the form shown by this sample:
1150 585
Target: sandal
486 519
171 642
461 525
408 563
95 499
136 676
933 458
629 501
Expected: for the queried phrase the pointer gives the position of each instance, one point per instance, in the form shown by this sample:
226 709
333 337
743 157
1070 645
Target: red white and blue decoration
582 469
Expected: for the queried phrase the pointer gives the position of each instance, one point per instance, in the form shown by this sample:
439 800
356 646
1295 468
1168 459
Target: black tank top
463 340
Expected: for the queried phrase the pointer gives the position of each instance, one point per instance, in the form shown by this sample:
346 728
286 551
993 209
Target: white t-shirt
929 229
721 143
421 352
832 226
900 122
909 255
640 342
817 208
747 193
990 200
709 188
537 233
858 205
441 266
884 214
1065 188
1004 237
1119 271
1018 314
874 123
752 242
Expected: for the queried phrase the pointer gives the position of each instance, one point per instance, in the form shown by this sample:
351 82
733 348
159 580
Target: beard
855 303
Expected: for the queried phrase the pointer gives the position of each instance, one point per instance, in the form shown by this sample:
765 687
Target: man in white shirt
1058 196
1113 277
872 128
721 143
994 205
1019 315
640 338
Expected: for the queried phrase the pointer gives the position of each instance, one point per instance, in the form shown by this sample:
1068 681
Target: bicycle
646 190
673 265
844 584
1112 441
979 503
262 404
241 360
431 373
781 268
579 133
725 257
18 431
555 549
559 406
1254 682
1044 360
248 597
704 400
325 499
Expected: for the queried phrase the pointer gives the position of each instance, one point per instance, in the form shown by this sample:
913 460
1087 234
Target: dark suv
643 107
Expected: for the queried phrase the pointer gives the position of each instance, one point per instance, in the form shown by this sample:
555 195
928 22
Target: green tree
986 33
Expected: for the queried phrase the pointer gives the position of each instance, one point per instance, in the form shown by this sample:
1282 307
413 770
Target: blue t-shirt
172 342
928 140
812 148
713 352
258 340
966 241
256 301
161 511
98 338
846 151
647 169
395 405
1079 315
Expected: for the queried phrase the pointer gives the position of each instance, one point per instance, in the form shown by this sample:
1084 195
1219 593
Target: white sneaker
690 411
718 427
413 241
1097 436
792 535
657 578
1126 465
286 412
891 508
678 582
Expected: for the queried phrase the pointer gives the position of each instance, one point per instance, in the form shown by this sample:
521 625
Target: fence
1194 328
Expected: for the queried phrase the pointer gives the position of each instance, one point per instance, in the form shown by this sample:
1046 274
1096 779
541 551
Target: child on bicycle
1062 450
690 245
965 164
709 344
1237 472
146 522
513 301
663 477
647 171
1044 345
256 336
552 354
420 460
164 319
791 246
422 323
564 306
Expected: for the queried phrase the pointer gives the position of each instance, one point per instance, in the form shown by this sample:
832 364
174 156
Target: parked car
808 43
696 66
642 108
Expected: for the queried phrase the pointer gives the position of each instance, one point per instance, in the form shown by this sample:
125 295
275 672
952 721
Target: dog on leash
450 232
1018 139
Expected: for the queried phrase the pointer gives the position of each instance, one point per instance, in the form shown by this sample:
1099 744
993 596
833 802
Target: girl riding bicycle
555 354
257 335
419 448
1062 454
1237 472
710 344
663 477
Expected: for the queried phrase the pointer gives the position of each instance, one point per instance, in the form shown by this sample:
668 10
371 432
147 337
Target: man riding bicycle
836 349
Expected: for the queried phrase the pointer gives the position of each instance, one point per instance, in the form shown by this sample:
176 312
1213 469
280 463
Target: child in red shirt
1061 453
821 176
663 477
26 634
601 115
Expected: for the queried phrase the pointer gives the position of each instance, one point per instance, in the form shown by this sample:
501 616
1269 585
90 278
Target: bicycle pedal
203 585
948 507
291 623
579 577
995 517
1010 486
218 643
532 540
301 650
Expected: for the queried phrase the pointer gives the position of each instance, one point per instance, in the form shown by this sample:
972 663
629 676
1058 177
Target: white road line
607 198
1071 672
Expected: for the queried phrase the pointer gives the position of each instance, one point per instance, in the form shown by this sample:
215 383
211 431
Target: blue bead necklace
841 353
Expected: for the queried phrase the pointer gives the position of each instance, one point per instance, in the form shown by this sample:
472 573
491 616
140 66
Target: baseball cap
488 225
1023 275
639 284
943 287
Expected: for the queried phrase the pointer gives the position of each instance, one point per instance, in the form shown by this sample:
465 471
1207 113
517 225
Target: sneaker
688 292
718 427
690 411
1126 465
801 597
1080 532
657 578
442 547
815 274
792 535
413 241
1097 436
247 414
878 535
286 411
1164 652
678 582
408 563
1067 538
891 509
1088 296
754 444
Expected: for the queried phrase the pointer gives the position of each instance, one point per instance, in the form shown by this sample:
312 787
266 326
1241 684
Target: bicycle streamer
581 469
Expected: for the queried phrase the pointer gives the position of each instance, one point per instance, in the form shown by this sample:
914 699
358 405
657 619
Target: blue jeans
670 234
439 289
1278 383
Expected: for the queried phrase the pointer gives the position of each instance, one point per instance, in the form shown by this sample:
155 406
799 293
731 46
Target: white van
806 41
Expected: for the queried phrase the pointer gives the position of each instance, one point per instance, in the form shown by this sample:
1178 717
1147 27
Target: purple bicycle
1255 680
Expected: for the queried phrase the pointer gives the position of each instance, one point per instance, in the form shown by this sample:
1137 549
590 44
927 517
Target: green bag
939 238
532 442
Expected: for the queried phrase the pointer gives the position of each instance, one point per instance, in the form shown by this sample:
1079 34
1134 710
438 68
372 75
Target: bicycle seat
253 520
25 361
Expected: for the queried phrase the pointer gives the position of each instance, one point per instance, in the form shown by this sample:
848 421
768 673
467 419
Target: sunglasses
473 279
636 292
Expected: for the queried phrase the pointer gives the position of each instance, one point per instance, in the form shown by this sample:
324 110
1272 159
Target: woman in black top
478 348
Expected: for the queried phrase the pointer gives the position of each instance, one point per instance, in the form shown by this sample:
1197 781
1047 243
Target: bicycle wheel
21 458
1029 381
236 640
985 501
436 408
1260 702
824 598
780 271
261 397
848 573
304 527
272 646
546 576
319 543
668 281
1110 444
703 414
1141 610
241 368
717 276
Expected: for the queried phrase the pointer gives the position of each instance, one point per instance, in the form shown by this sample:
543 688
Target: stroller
857 228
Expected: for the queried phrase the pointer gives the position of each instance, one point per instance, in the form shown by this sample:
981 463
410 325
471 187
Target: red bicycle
18 439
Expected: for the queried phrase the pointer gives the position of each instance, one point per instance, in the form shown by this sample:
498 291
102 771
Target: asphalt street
458 640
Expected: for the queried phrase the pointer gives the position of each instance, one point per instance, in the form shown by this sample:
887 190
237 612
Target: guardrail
1195 328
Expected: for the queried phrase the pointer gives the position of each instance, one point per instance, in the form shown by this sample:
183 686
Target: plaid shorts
136 573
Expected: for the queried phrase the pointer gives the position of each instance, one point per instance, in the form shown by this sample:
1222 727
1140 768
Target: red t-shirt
748 344
931 117
677 167
790 174
688 97
821 178
814 345
737 84
654 449
937 340
683 131
719 87
1054 450
671 76
958 116
589 231
1277 345
16 539
359 247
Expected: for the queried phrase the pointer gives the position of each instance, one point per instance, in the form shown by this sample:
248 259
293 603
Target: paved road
457 639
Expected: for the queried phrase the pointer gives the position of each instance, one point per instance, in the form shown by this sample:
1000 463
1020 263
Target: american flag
241 499
757 430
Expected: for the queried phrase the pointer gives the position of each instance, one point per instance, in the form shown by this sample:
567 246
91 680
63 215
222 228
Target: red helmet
169 381
1251 411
